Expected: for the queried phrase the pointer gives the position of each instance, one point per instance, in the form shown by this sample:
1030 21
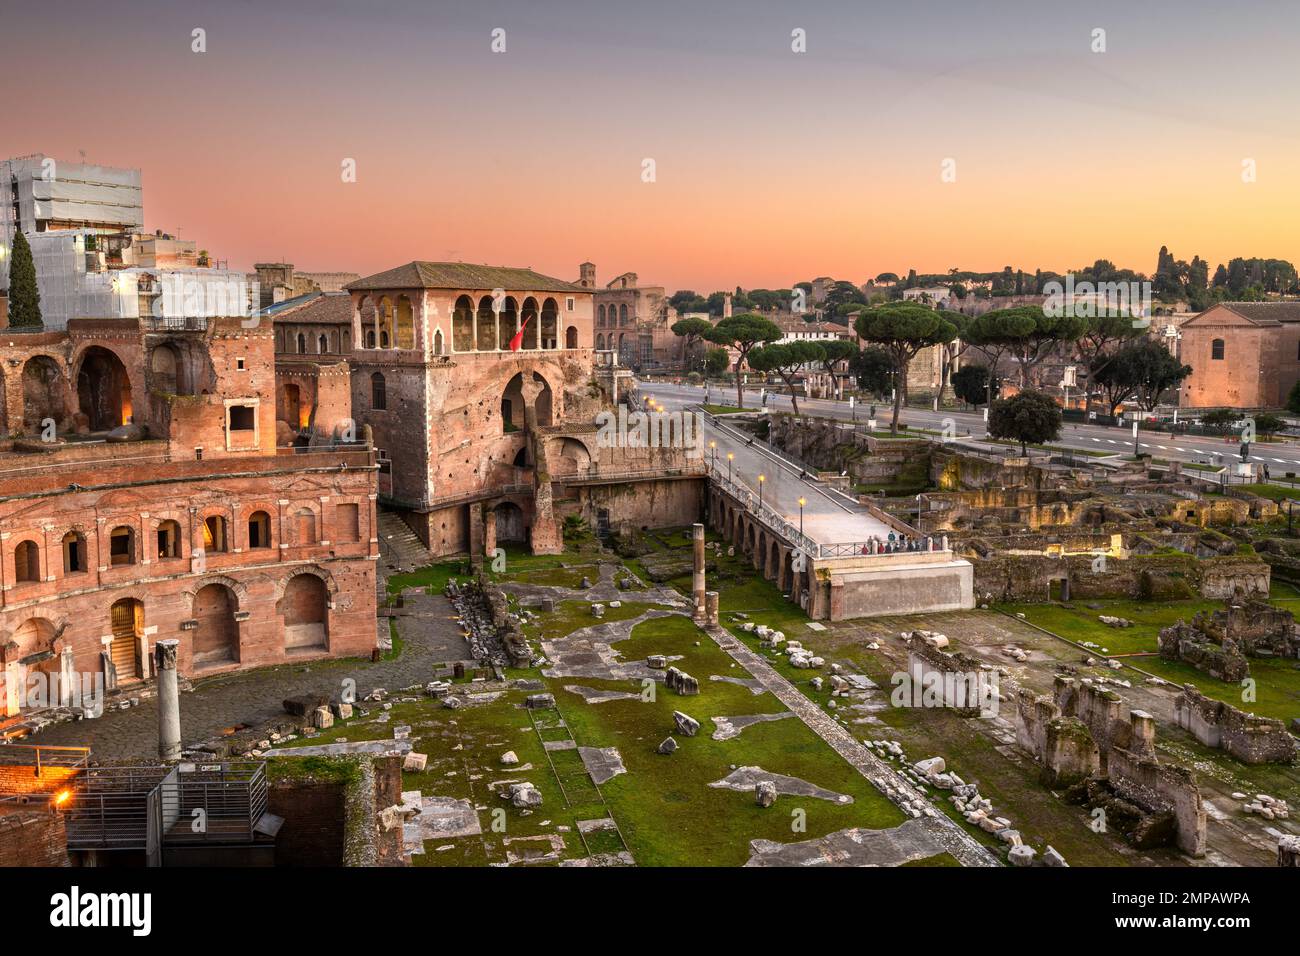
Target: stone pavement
255 696
946 834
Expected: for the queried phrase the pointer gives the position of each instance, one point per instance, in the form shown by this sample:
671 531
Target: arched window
121 545
462 325
74 553
437 342
259 530
302 344
378 392
571 337
370 338
27 561
622 314
600 316
169 540
1216 350
323 344
214 534
383 338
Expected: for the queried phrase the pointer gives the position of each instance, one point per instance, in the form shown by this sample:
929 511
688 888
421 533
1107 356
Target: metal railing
144 808
906 544
42 759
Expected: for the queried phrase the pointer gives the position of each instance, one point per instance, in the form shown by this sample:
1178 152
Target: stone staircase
399 548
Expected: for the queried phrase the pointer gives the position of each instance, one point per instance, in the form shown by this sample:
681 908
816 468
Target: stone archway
126 618
304 611
103 390
215 638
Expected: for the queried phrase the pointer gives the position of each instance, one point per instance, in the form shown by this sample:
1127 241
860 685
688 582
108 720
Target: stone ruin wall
826 446
1081 731
925 660
1019 578
1246 737
1220 643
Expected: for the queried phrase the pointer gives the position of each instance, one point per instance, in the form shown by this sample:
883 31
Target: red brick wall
90 488
32 837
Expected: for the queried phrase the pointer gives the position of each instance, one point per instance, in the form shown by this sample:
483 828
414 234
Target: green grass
725 409
1277 681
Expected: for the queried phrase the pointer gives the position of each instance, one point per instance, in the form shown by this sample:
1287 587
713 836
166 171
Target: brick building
143 496
479 444
1243 355
313 341
634 321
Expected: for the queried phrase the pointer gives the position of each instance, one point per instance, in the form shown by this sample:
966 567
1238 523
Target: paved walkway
947 835
252 697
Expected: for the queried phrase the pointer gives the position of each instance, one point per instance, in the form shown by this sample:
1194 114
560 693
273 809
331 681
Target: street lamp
802 501
761 479
731 456
713 447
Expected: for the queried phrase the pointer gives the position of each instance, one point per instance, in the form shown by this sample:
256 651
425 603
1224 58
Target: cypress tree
24 296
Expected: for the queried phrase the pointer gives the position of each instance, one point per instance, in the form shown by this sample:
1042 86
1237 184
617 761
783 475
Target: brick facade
1243 355
194 526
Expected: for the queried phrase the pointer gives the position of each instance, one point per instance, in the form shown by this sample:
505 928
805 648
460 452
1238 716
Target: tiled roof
463 275
325 308
1266 311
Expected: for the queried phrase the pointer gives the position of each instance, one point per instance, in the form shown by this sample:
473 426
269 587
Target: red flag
518 338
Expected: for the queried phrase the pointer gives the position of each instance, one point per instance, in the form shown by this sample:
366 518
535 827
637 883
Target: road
1280 457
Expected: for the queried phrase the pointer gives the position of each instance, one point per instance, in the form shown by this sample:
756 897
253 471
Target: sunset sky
771 166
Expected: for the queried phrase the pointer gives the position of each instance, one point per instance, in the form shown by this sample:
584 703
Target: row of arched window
387 323
616 315
124 549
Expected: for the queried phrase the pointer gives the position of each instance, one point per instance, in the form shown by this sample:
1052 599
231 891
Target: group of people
896 544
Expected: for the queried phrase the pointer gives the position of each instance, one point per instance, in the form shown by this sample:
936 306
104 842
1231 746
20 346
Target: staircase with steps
399 547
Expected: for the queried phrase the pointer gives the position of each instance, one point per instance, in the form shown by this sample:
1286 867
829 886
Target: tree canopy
743 333
970 383
1142 369
903 329
1027 417
24 294
786 359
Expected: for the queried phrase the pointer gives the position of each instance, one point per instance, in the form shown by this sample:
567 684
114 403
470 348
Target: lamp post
802 502
761 479
731 456
713 448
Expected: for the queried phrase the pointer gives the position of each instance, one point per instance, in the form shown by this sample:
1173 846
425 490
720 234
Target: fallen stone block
686 725
415 762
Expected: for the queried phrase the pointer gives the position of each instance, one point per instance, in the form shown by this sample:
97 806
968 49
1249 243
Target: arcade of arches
481 324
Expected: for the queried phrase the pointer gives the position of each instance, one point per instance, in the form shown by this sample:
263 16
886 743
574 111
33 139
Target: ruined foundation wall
1081 730
1248 738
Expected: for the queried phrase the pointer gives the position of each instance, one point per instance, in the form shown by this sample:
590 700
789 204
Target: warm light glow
802 502
731 456
62 797
762 477
713 444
